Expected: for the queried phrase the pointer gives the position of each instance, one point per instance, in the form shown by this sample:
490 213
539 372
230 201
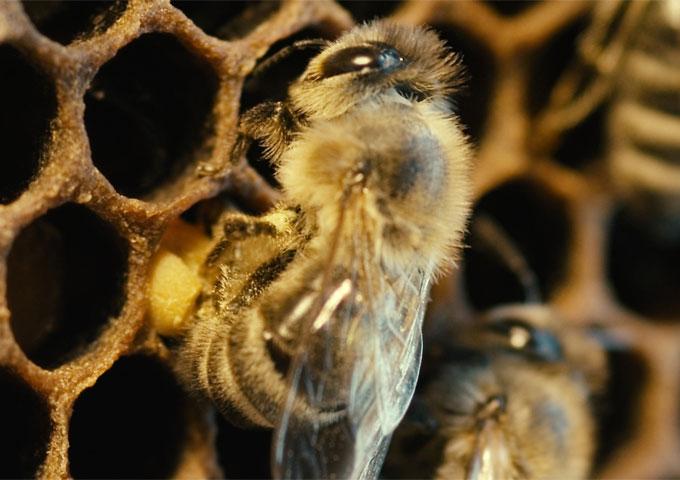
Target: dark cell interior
65 279
227 20
616 409
579 147
206 213
489 281
472 101
65 21
243 453
365 11
643 268
550 62
511 7
272 84
25 428
536 222
130 424
148 112
23 131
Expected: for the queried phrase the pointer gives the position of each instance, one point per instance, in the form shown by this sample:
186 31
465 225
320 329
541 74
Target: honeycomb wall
118 116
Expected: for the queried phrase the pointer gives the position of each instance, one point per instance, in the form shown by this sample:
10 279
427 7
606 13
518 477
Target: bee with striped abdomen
310 317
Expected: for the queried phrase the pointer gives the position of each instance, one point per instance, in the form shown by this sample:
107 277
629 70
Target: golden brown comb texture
118 116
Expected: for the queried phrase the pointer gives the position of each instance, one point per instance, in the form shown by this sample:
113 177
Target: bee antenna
285 51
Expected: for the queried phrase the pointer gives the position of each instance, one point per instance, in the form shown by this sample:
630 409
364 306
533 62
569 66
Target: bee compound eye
538 344
363 58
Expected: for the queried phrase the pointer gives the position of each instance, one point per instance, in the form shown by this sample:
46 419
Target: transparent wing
357 361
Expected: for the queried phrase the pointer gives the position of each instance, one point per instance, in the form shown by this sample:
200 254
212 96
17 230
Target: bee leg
245 242
270 123
225 336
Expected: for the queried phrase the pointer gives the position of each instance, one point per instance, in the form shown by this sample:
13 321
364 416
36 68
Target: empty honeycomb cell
584 144
366 11
617 407
243 453
65 279
65 21
227 20
535 222
643 268
148 113
550 62
23 131
471 102
25 428
130 424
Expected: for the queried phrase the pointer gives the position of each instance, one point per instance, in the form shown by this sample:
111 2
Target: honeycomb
119 116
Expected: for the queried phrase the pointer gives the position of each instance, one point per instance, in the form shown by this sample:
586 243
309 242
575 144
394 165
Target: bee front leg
270 123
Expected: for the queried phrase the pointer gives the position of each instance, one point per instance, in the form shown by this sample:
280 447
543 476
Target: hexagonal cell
366 11
584 143
23 131
227 20
532 220
148 114
472 101
66 21
26 428
65 279
617 409
643 268
243 453
130 424
550 62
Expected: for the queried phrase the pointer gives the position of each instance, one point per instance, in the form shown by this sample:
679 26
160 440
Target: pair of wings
356 364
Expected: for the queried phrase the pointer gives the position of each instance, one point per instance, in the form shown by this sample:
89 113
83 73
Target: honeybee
511 399
310 316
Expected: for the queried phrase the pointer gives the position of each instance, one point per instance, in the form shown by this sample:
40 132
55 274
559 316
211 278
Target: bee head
517 375
371 59
539 336
378 60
